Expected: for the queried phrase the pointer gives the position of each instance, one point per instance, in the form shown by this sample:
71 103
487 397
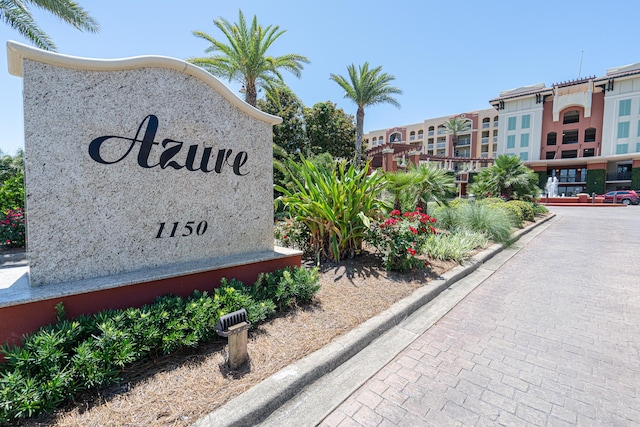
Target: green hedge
596 181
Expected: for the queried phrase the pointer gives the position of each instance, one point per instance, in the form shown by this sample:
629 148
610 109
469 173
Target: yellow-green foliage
525 207
490 200
513 211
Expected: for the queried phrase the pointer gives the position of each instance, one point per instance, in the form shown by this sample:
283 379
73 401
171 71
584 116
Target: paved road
552 338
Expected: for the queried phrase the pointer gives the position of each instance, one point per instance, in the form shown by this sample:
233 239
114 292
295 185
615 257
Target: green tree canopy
366 87
16 14
330 129
290 135
244 59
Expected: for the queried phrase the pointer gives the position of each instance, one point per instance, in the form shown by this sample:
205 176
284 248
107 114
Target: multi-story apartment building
584 132
394 148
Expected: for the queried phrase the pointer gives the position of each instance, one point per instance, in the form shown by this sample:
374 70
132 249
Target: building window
526 121
569 154
380 140
374 141
590 135
638 147
624 107
524 140
588 152
395 137
571 116
420 134
486 122
412 136
495 121
524 156
551 138
551 155
511 141
570 137
622 148
623 130
511 124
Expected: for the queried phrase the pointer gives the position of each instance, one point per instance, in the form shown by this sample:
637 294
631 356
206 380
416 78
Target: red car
627 197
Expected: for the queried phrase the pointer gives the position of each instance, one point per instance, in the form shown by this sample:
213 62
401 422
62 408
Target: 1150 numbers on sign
177 229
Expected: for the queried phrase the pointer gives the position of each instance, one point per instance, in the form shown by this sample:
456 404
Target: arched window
412 135
486 122
551 138
374 141
590 135
420 134
495 121
380 140
395 137
571 116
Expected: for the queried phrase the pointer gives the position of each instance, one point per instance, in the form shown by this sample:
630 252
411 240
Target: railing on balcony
485 140
619 176
464 141
495 123
442 131
429 146
495 139
486 125
484 155
442 144
431 133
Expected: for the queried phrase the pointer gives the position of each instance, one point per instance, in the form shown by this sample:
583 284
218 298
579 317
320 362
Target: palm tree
244 58
366 87
507 177
431 183
15 13
456 126
397 185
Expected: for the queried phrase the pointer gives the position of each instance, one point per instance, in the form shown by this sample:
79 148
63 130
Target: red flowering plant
12 228
401 237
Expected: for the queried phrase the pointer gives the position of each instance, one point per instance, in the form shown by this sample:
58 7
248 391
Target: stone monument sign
138 163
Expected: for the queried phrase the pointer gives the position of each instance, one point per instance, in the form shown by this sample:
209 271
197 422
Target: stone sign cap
17 52
138 164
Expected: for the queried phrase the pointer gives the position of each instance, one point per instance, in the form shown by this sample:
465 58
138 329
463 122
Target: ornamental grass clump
401 237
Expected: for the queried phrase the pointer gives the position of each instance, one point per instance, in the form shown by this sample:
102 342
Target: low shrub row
61 360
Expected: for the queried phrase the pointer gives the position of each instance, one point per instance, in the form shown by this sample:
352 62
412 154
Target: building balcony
485 140
442 145
486 125
464 142
495 139
429 146
484 155
619 176
442 131
430 133
495 123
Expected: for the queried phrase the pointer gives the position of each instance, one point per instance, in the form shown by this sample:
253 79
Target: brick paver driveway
552 338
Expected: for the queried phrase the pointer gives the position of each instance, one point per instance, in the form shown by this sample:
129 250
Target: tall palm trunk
359 133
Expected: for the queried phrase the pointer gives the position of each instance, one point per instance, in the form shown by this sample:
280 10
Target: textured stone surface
87 219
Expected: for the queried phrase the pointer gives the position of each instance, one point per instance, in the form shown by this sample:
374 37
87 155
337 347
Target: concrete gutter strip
256 404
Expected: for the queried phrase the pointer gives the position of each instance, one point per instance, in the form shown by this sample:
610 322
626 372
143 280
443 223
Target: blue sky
447 57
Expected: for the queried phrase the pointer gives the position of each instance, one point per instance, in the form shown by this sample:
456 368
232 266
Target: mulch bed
178 389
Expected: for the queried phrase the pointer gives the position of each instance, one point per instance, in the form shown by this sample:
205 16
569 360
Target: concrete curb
256 404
